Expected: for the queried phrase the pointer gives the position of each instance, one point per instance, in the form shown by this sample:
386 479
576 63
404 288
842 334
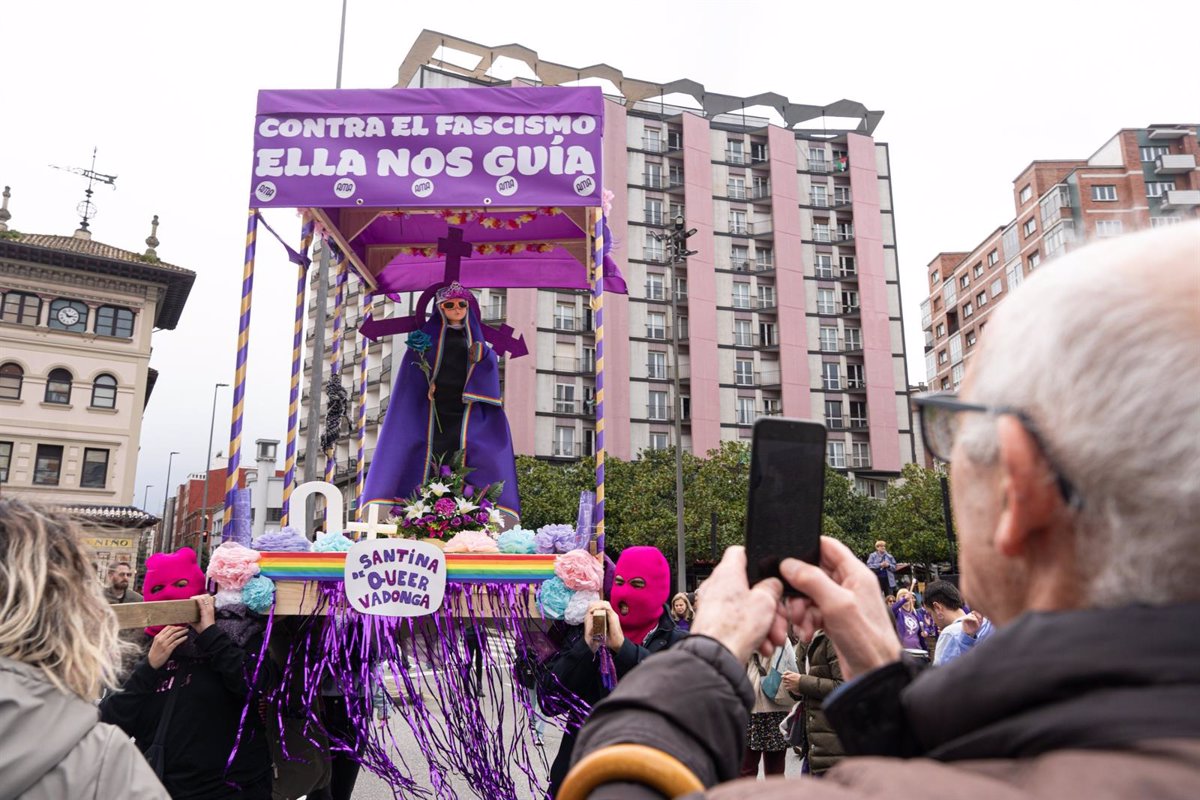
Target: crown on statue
455 291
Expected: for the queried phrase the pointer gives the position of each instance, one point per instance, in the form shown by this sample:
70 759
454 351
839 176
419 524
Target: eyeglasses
449 304
939 413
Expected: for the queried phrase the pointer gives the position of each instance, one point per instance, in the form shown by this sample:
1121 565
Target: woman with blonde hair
58 649
682 611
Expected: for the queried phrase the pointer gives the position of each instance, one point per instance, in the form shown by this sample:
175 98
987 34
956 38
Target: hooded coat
53 745
406 439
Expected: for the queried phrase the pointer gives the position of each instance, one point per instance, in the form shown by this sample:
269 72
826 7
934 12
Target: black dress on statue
450 379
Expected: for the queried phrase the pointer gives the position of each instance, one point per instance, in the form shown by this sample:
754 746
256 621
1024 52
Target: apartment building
1141 177
791 305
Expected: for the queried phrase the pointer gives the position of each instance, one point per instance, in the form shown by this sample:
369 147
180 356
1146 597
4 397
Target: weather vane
87 209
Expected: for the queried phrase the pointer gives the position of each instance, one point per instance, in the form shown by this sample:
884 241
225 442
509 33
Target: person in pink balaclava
183 703
639 625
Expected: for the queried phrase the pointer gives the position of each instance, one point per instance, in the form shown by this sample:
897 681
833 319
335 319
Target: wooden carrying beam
160 612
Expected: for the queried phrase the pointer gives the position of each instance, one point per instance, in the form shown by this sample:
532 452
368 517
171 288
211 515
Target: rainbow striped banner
239 381
289 477
460 567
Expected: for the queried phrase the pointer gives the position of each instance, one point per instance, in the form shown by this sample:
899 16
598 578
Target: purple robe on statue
402 454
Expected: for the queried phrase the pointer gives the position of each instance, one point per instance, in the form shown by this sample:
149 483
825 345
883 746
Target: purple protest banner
437 148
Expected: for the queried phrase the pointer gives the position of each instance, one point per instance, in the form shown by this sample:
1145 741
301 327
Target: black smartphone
787 496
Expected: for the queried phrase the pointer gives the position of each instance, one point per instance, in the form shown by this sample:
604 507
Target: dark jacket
212 675
1045 708
823 749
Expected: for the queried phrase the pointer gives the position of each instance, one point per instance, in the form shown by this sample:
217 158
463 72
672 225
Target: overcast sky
972 92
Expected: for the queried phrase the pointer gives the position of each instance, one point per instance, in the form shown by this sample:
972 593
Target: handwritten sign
395 577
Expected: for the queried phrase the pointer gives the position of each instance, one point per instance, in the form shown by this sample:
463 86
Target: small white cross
372 526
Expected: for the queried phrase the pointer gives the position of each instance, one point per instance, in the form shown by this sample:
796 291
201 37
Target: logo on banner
395 577
265 191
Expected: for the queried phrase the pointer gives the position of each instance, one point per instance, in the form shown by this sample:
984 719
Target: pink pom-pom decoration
580 571
233 565
471 542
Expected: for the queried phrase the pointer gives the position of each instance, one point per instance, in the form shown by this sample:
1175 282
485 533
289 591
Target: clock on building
68 316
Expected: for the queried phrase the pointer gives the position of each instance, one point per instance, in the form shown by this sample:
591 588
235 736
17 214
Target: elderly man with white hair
1074 448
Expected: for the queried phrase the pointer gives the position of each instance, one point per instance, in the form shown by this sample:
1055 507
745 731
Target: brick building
1141 177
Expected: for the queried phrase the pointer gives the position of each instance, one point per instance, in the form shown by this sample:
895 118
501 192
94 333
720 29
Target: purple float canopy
388 172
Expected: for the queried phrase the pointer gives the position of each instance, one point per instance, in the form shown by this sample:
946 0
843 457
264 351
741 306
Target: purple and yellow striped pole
239 376
597 270
335 353
360 417
289 477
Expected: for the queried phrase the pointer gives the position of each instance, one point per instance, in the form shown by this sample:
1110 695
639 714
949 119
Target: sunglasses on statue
449 304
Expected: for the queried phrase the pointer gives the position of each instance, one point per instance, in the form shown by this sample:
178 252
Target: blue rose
419 341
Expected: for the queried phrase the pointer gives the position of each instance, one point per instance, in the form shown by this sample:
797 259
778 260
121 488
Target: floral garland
483 249
447 504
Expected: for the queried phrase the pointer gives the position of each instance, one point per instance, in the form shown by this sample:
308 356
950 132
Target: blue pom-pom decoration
259 594
553 598
331 543
517 540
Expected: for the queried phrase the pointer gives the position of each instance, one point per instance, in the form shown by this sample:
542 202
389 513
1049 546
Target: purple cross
454 248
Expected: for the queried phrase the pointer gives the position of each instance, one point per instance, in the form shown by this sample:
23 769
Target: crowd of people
1067 545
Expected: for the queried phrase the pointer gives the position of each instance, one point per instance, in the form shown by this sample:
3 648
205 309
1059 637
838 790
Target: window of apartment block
845 231
737 222
1011 242
1162 222
971 339
104 392
768 334
820 232
564 316
95 469
828 339
997 287
1152 152
656 408
764 257
941 329
943 357
654 249
589 441
654 175
848 265
564 441
1034 259
758 151
736 149
564 398
675 174
1104 192
742 334
745 411
772 406
956 374
655 287
766 296
933 279
739 257
6 449
654 211
21 308
685 406
1030 227
858 414
977 270
652 138
656 325
860 455
589 359
58 387
736 187
945 384
681 289
824 265
820 196
1108 227
849 302
743 372
841 195
1156 188
816 159
993 258
956 348
833 414
964 281
658 441
854 376
741 295
47 465
835 453
981 300
656 365
949 293
831 376
11 379
1015 275
853 339
1026 193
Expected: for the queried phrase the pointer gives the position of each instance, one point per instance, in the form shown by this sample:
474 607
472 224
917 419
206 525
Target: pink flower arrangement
233 565
580 571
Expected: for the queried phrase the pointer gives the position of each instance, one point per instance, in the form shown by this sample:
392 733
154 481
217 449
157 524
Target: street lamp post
146 495
166 492
205 524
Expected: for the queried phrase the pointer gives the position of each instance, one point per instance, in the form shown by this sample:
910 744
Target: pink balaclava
641 586
172 576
